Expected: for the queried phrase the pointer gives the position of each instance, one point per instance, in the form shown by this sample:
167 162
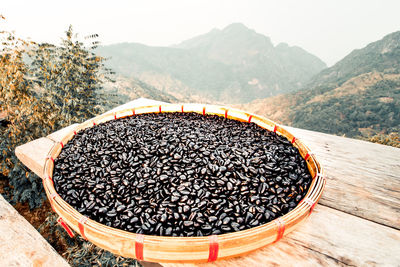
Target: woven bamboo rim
185 249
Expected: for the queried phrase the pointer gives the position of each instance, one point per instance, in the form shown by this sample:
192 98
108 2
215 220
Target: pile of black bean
180 174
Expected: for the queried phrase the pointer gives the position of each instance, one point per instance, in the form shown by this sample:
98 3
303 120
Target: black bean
212 219
187 223
180 174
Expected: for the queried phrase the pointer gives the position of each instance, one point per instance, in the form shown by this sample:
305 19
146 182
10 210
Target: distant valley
357 97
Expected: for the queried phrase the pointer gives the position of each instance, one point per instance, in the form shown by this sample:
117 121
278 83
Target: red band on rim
226 113
251 116
115 116
310 203
66 227
159 108
204 110
74 132
307 156
317 174
281 229
94 124
133 111
312 207
293 140
51 180
213 248
62 145
275 128
182 108
81 223
139 246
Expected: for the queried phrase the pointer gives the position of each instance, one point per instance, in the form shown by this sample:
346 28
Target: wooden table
357 221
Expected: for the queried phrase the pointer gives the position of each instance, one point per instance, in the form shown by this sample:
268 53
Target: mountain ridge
235 64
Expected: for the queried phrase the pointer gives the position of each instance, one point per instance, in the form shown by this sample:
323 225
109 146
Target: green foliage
392 139
70 76
351 114
58 87
25 119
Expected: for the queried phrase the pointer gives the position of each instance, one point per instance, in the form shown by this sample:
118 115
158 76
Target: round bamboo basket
185 249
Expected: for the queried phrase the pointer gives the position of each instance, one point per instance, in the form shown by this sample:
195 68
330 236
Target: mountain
358 96
235 64
123 90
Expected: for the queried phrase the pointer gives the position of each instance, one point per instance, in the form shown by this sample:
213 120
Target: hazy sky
328 29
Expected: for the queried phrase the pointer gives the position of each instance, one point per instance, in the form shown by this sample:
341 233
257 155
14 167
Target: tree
17 105
58 87
71 76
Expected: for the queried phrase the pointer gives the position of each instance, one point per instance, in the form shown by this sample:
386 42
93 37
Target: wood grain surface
21 244
363 178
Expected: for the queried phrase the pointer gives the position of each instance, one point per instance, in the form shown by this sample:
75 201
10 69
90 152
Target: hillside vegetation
235 64
358 96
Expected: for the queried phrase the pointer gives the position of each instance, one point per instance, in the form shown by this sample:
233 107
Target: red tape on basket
115 116
66 227
74 132
307 156
51 180
133 111
281 229
213 248
81 225
293 140
139 247
310 203
226 113
159 109
275 128
251 116
204 110
62 145
182 108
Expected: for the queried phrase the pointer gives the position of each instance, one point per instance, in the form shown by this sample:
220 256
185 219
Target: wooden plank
21 244
135 103
33 154
330 237
57 136
363 178
283 253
